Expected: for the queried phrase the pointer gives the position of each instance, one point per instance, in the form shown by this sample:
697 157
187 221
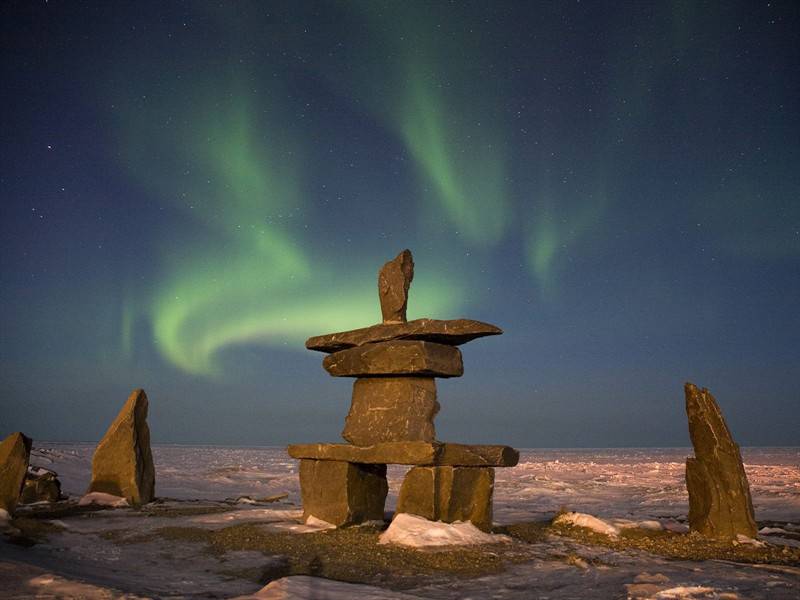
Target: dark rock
394 279
486 455
410 453
449 494
123 463
453 332
342 493
396 358
719 495
41 485
15 452
391 409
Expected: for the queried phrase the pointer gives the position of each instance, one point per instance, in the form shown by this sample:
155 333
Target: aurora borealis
191 190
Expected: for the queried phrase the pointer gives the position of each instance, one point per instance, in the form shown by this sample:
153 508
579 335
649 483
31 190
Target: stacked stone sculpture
720 506
391 420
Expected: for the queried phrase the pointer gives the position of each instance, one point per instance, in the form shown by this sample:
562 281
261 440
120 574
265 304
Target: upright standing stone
394 279
15 452
719 496
449 494
342 493
123 463
453 333
391 409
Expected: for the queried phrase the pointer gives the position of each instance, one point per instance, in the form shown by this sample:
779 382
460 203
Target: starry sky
191 189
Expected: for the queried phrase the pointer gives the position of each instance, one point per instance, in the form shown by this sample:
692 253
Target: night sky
190 190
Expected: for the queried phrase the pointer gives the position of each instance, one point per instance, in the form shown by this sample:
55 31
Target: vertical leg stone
391 409
449 494
342 493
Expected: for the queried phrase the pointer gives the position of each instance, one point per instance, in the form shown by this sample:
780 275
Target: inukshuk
391 420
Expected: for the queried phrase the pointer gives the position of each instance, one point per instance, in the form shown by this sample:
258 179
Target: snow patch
102 499
692 592
302 587
418 532
770 530
748 541
628 524
267 515
27 581
316 523
588 521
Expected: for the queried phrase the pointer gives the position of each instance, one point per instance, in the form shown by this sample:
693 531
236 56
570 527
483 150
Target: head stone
394 279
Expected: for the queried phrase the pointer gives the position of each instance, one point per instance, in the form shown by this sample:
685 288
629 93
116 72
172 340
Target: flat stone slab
411 453
399 357
452 332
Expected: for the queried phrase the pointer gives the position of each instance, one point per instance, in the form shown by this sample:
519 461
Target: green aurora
236 275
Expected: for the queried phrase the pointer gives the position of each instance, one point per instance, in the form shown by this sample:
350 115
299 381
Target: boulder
41 485
15 452
342 493
453 332
449 494
394 279
410 453
396 358
123 463
720 506
391 409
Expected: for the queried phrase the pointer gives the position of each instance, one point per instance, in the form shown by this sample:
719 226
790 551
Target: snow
264 515
746 540
680 592
318 524
102 499
587 521
619 487
418 532
33 582
302 587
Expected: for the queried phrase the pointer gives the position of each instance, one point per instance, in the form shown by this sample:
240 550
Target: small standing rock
123 463
720 506
394 279
41 485
15 452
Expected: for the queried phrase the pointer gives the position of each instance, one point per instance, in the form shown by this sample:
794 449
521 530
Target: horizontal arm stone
411 453
452 332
